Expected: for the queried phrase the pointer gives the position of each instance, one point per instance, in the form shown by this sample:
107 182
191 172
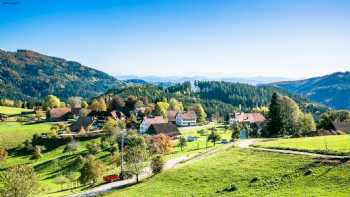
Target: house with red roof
247 118
188 118
254 121
59 114
171 115
148 121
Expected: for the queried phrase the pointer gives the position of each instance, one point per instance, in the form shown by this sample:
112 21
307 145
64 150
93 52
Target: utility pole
122 155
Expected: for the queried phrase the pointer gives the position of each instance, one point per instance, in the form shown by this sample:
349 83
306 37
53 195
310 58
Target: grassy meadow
13 134
54 162
332 144
242 172
12 110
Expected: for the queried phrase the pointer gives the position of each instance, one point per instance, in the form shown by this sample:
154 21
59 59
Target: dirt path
249 142
147 173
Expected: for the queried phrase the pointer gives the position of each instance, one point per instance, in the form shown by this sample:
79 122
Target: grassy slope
335 144
13 134
12 110
46 168
275 177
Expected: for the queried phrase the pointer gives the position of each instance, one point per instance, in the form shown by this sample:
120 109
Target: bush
71 147
3 153
37 152
93 148
157 164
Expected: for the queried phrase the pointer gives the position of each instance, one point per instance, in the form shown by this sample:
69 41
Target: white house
186 119
148 121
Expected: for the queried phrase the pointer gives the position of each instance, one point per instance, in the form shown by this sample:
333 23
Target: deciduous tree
18 181
214 137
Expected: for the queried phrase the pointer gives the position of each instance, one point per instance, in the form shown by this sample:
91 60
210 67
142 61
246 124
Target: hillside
30 75
242 172
216 96
332 90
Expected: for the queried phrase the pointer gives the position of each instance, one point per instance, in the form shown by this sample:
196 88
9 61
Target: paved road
249 142
147 173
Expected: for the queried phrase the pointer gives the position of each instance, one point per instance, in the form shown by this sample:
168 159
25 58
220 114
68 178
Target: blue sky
294 39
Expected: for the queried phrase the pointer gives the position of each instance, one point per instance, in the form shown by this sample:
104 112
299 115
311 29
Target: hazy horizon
267 38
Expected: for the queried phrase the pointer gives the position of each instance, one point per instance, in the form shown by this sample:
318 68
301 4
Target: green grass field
237 172
12 110
334 144
13 134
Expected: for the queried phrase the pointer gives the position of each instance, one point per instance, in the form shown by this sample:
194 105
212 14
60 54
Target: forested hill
29 75
216 96
332 90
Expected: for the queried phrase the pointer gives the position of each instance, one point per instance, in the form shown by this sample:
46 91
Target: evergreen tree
274 124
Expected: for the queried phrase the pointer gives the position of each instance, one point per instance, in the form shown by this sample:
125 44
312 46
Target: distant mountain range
176 79
27 75
332 90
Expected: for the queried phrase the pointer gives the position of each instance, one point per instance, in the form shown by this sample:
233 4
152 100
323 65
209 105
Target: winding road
245 144
147 173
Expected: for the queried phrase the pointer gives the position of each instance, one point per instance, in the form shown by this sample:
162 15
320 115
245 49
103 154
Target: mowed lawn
243 172
12 110
13 134
332 144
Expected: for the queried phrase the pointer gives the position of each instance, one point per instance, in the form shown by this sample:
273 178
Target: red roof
190 115
172 115
249 117
59 112
154 120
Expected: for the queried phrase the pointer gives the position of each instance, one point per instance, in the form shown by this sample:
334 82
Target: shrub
157 164
37 152
3 153
182 142
93 148
71 147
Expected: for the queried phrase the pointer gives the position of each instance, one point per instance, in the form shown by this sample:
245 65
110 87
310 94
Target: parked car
224 141
191 139
111 178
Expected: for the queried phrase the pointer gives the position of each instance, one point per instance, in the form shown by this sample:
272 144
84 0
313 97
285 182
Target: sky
227 38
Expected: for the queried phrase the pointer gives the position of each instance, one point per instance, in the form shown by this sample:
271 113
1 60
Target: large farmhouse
148 121
186 119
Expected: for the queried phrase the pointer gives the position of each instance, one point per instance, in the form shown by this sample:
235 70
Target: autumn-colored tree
3 153
201 115
52 101
39 114
162 108
99 105
160 144
175 105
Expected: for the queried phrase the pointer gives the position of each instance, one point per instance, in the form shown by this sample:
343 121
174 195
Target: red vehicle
111 178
